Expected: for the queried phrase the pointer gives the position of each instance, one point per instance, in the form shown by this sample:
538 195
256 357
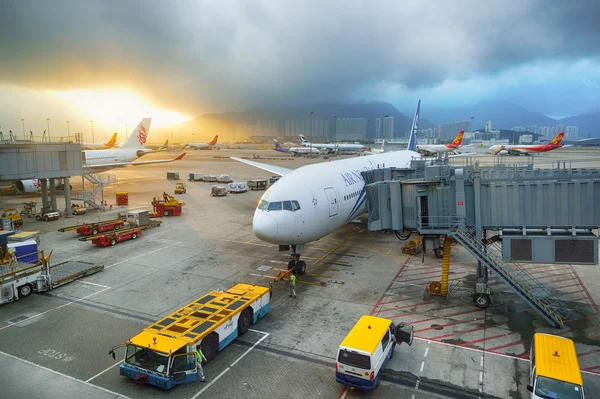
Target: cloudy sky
114 61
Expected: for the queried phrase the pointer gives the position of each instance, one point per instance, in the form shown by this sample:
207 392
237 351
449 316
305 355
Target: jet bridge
503 215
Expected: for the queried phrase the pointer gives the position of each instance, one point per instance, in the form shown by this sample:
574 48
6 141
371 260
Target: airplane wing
278 170
121 164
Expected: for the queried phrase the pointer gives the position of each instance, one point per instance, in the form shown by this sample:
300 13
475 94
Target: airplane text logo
142 135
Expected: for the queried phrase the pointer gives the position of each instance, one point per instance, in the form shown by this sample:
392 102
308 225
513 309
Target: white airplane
554 144
310 202
98 146
375 150
204 146
95 161
297 151
333 146
442 148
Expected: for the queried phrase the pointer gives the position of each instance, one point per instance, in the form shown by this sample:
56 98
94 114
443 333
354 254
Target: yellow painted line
335 248
248 243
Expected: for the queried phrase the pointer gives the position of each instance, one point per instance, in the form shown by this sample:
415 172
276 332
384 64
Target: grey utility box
556 248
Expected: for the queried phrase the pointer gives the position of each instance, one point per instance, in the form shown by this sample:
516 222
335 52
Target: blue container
25 251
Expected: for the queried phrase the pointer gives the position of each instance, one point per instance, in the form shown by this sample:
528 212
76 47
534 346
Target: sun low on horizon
114 107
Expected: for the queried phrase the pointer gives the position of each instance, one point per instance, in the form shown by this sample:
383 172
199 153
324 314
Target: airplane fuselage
437 148
523 149
329 195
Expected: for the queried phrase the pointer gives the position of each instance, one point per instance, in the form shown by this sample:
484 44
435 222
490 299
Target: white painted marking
104 371
96 284
481 377
426 352
344 393
412 396
53 354
65 375
265 335
481 362
58 307
249 349
422 365
417 384
139 256
211 382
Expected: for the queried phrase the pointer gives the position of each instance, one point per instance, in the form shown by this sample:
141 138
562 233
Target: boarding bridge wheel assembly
441 287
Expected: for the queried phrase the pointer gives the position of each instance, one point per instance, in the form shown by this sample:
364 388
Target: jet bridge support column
482 273
53 195
44 188
68 210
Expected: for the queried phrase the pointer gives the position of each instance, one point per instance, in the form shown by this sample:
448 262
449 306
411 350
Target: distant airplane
204 146
528 149
431 149
98 146
310 202
333 147
295 150
95 161
378 151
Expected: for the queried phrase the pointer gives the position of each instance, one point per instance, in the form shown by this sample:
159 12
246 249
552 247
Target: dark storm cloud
220 54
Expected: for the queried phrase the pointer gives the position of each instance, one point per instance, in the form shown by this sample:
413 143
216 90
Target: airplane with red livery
204 146
430 149
554 144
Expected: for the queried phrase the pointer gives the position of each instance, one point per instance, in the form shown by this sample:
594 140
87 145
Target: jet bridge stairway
91 197
535 293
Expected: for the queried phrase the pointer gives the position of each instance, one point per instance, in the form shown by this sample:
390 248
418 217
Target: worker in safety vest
293 284
199 358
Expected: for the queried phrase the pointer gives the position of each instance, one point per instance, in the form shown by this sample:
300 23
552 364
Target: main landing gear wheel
301 267
482 300
439 252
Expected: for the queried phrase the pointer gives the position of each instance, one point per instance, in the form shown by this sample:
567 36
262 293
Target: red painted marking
453 324
540 267
460 203
391 283
588 353
445 316
506 345
438 271
588 295
416 304
438 317
342 393
489 338
459 332
570 285
591 368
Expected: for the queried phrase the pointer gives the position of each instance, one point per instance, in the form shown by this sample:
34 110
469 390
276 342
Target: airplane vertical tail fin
214 140
166 144
303 139
277 145
112 141
383 146
139 136
459 138
412 140
558 138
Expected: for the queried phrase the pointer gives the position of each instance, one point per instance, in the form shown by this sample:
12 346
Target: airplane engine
503 152
143 152
27 186
33 186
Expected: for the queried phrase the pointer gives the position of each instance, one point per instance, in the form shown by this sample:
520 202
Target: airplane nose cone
265 227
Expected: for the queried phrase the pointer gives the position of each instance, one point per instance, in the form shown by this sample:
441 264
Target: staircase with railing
533 292
90 197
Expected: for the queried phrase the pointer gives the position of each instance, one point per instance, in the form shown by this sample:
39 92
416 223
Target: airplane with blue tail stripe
310 202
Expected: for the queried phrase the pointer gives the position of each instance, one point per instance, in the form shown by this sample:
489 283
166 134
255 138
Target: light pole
23 122
68 132
48 121
92 130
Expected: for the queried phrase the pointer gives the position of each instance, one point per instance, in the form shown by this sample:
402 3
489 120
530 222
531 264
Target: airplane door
334 205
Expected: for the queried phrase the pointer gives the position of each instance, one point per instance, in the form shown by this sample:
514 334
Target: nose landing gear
295 263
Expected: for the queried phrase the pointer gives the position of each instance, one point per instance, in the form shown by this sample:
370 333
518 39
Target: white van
364 352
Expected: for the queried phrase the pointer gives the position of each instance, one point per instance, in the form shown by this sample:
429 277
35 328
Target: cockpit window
263 205
291 206
275 206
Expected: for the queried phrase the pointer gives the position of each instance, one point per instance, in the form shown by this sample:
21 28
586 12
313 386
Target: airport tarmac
55 345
